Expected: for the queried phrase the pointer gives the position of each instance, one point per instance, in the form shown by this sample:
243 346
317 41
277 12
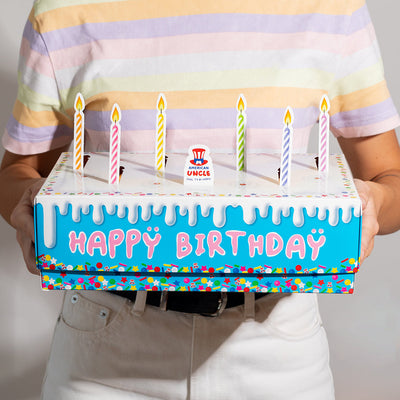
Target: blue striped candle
286 147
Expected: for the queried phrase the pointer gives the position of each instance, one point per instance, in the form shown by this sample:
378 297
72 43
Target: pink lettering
115 238
296 244
151 243
97 240
77 242
183 246
274 244
315 245
200 244
256 244
133 237
234 235
214 239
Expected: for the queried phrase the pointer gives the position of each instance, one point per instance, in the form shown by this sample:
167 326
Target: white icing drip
76 214
219 216
263 209
321 213
205 210
121 212
146 212
276 215
170 214
192 215
49 225
183 210
249 215
158 209
98 216
311 211
85 209
347 214
333 216
298 217
133 213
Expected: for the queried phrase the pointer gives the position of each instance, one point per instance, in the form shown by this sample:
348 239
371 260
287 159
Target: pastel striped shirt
202 54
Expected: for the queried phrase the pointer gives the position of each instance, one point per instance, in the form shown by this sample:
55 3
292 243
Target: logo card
198 167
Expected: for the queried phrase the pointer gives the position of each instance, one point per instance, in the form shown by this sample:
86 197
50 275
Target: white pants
104 349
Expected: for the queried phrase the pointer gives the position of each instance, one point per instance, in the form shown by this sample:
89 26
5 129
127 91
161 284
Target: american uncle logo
198 167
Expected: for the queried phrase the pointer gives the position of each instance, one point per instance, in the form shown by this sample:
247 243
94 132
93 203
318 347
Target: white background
363 329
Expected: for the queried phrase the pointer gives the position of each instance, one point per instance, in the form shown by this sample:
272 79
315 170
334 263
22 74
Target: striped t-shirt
202 54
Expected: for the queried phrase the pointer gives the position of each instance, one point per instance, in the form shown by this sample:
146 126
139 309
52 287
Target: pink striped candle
79 127
160 134
323 160
115 143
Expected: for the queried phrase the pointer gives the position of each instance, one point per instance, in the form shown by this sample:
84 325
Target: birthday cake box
200 225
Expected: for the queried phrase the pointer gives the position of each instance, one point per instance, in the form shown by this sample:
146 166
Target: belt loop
249 305
140 303
163 300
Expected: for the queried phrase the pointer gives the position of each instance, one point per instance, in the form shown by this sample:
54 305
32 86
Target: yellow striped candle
160 134
241 121
79 127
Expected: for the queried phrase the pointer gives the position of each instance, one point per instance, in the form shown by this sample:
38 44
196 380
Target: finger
22 217
28 252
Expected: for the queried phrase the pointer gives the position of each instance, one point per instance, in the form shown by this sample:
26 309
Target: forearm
15 179
386 192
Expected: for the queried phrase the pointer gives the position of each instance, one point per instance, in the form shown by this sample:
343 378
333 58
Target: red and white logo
198 167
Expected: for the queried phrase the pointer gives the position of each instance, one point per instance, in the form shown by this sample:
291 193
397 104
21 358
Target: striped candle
241 121
160 136
286 155
115 143
79 127
324 136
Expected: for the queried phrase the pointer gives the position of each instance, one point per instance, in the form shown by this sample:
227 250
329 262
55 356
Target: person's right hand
22 220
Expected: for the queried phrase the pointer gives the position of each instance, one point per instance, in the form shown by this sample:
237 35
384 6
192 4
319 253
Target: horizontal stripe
196 24
27 148
36 61
201 119
210 43
37 119
360 99
191 44
358 80
312 79
27 134
251 6
364 116
368 130
218 140
276 97
210 65
36 101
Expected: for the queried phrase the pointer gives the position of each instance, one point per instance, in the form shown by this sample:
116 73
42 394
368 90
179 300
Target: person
202 54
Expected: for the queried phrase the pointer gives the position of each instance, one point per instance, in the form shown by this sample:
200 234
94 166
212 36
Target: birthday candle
79 126
241 121
115 143
324 136
160 134
286 147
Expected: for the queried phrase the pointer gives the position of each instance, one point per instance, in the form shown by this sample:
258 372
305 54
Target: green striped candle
241 121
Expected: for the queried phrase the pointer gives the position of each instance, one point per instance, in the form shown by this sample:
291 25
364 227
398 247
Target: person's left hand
370 225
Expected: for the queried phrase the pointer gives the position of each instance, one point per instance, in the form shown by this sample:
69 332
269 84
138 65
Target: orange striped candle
79 127
160 136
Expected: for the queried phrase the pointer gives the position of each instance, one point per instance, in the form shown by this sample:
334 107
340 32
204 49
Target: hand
370 225
22 220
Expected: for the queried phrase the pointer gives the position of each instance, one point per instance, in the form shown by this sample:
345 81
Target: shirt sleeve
360 100
38 122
